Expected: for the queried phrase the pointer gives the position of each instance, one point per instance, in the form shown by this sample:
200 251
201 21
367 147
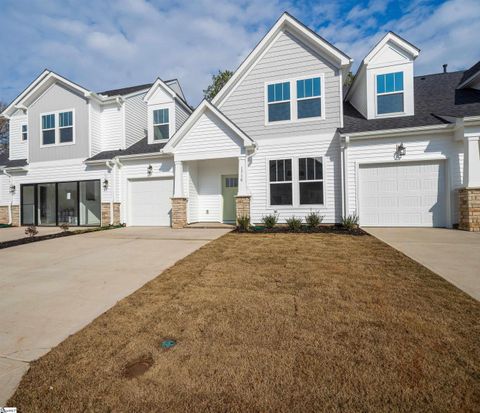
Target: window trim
160 124
311 180
390 114
57 128
293 99
295 183
23 133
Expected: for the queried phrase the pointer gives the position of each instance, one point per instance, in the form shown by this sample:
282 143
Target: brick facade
106 213
179 212
242 203
469 209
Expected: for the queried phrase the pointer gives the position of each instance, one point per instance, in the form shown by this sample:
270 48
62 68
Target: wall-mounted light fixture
105 184
12 188
400 151
149 170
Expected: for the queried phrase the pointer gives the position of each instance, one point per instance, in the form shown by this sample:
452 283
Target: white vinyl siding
181 115
112 127
287 58
18 149
95 128
135 119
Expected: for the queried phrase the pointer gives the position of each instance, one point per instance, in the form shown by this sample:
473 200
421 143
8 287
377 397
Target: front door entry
229 191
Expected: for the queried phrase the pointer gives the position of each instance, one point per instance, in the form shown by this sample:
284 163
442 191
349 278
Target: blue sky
103 44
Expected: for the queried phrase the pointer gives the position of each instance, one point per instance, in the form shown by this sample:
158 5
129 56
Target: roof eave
397 131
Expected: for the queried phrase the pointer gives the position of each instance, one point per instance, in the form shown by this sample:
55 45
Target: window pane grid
390 83
308 88
65 119
310 176
48 122
160 116
279 92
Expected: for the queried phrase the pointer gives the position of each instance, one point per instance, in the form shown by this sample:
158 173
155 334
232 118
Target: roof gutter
394 132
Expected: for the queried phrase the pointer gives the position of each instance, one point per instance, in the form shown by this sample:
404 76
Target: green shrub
294 224
350 222
313 219
243 223
270 220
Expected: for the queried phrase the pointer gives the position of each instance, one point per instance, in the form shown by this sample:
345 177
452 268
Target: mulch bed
322 229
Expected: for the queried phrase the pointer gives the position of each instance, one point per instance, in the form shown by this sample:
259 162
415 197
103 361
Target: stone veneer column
106 214
469 209
242 203
4 214
16 215
179 212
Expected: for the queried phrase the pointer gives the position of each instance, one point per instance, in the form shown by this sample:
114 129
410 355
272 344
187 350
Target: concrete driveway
452 254
51 289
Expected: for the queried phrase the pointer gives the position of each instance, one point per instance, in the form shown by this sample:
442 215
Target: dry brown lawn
279 322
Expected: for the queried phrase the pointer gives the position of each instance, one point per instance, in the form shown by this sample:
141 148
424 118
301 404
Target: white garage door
403 194
149 202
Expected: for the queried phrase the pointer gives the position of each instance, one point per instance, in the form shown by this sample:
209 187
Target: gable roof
3 158
204 106
470 74
286 22
126 90
397 40
436 98
165 86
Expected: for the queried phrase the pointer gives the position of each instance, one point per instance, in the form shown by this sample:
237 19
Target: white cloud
114 43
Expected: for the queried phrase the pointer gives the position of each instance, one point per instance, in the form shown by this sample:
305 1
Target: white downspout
10 218
344 162
110 167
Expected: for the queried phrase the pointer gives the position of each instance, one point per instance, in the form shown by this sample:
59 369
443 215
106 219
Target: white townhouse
283 136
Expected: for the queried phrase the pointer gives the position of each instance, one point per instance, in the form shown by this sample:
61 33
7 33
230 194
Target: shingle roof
16 163
435 96
470 72
3 158
137 148
126 90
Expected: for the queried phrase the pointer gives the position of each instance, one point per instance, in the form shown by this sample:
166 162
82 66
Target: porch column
469 196
179 201
242 200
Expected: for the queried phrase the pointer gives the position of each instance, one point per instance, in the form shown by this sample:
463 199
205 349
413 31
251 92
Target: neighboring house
282 136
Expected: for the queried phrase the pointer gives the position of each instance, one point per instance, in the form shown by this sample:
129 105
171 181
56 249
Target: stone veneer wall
469 209
15 215
179 212
242 204
3 214
106 213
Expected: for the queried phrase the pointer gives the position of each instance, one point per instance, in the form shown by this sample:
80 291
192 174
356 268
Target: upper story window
309 103
24 132
390 93
66 126
161 124
280 182
57 128
279 102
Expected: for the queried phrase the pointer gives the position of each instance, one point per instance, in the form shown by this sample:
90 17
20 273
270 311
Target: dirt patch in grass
274 322
138 367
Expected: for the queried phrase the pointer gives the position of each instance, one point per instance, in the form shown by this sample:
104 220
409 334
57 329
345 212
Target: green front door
229 191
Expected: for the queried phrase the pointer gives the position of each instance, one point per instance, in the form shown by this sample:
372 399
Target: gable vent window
160 124
310 176
48 129
309 102
66 126
279 102
24 132
390 93
281 182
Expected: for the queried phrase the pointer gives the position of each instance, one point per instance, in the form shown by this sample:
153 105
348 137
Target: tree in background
348 79
3 131
218 81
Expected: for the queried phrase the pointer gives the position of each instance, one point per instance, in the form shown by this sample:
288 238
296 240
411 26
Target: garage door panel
149 202
403 194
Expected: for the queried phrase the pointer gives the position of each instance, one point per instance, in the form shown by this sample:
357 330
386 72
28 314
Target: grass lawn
274 322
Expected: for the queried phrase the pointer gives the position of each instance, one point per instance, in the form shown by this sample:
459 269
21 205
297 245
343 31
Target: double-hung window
65 122
278 101
24 132
160 124
390 93
280 182
309 98
48 129
310 177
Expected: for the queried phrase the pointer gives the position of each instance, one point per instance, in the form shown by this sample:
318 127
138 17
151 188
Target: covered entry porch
211 156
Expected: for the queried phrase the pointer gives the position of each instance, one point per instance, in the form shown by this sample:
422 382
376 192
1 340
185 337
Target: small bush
294 224
350 222
313 219
64 226
243 223
31 231
270 220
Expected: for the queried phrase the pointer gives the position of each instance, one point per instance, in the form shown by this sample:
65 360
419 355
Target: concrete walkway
51 289
452 254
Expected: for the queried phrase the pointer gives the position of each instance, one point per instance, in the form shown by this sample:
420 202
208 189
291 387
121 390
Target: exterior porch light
105 184
149 170
401 151
12 188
